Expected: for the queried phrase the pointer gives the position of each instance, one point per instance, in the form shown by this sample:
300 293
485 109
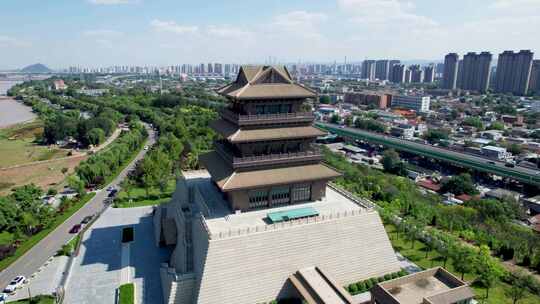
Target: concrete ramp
317 287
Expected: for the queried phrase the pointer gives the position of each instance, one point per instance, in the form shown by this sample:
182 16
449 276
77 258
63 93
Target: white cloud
299 19
102 33
385 12
105 43
172 27
519 8
6 41
110 2
229 32
505 4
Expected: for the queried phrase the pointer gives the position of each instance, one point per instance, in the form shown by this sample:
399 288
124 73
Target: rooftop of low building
435 285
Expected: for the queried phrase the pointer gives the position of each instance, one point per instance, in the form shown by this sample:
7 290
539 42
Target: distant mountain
36 68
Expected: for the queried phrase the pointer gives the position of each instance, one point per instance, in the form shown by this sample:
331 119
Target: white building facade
416 103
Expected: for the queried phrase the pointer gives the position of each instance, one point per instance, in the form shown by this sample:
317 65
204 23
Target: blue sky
60 33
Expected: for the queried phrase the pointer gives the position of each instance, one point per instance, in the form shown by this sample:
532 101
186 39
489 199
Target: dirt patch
29 130
44 175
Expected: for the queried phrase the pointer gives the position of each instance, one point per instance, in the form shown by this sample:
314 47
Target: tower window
301 193
280 196
258 198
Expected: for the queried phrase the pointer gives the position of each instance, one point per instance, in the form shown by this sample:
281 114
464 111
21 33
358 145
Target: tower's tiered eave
234 134
228 180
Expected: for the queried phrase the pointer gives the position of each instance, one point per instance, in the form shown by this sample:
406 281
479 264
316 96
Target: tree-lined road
33 259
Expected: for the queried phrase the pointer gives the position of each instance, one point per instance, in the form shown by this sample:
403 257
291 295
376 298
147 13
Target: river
5 85
11 111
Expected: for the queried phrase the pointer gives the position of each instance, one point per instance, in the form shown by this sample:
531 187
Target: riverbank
13 112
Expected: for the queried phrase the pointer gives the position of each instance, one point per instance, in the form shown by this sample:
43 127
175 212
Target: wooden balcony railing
266 118
313 154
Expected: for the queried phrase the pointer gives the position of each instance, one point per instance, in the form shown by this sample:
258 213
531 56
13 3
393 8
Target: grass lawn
127 294
140 199
39 299
17 145
30 242
418 256
141 203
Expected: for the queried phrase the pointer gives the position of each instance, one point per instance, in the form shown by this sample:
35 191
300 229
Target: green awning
287 215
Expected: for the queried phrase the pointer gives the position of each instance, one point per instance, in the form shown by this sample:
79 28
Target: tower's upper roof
265 82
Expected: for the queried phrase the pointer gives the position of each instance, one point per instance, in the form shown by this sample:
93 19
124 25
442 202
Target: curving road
33 259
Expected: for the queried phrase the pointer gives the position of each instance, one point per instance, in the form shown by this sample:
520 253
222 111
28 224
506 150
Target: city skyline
140 32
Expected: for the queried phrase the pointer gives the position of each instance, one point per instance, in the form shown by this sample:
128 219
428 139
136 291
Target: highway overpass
522 174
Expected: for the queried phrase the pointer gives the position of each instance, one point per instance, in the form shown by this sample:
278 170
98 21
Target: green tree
335 119
463 259
435 135
348 121
95 136
325 99
75 183
487 269
392 162
515 149
459 184
496 125
127 186
518 281
474 122
29 222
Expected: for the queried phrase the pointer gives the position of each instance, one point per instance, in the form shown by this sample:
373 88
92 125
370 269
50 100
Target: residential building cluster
515 73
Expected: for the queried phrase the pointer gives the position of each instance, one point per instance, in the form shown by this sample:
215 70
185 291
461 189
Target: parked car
75 229
112 193
146 147
16 283
110 188
87 219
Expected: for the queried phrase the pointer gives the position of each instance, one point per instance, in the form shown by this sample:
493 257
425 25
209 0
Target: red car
75 229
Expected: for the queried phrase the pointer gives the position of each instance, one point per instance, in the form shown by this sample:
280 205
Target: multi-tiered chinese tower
261 222
267 158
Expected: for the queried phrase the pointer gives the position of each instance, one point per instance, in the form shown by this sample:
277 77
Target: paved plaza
98 270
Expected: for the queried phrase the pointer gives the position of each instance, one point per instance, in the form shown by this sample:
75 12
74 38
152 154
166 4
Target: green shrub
362 286
395 275
374 281
127 294
369 284
402 272
387 277
353 289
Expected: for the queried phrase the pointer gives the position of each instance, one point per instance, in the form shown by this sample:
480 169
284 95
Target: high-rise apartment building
513 72
429 73
534 84
408 76
450 72
476 71
417 74
368 69
397 73
382 69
